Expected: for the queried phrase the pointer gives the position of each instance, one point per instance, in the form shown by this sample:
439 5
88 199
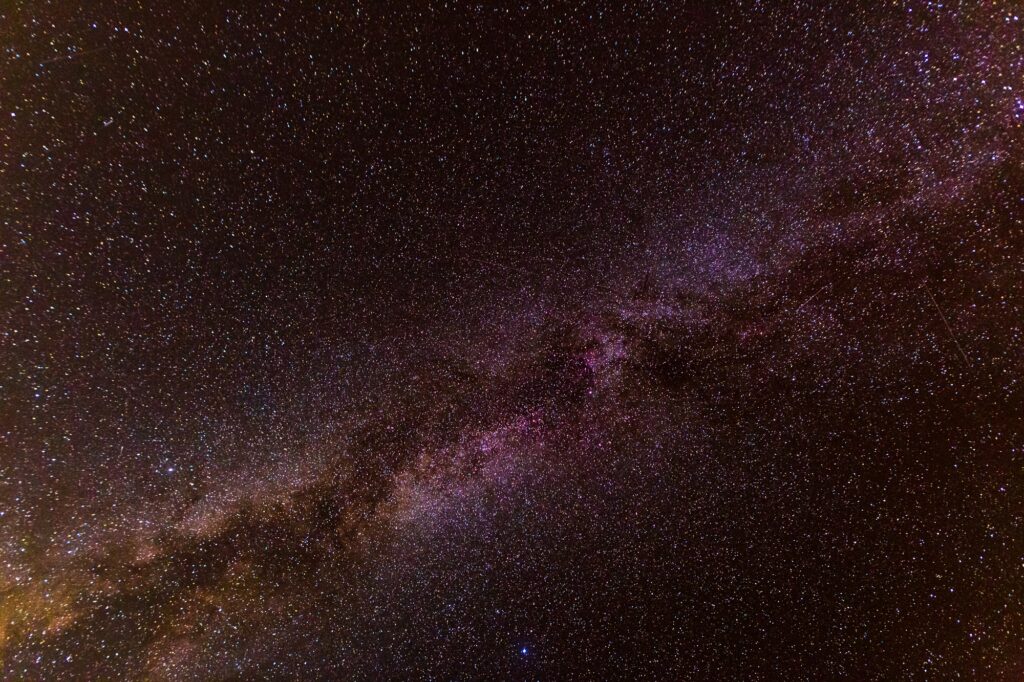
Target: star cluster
464 340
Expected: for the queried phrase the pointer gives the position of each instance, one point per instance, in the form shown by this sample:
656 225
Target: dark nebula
484 341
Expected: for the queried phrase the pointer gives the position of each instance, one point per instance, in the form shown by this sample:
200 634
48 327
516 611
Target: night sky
493 341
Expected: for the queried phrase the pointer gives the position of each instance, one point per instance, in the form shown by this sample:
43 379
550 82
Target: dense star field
479 341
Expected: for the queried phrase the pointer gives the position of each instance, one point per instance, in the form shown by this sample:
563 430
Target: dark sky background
595 341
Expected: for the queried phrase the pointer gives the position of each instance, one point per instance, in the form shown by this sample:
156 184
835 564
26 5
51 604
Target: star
439 340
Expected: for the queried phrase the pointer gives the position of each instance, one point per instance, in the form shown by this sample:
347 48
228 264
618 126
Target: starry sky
511 341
